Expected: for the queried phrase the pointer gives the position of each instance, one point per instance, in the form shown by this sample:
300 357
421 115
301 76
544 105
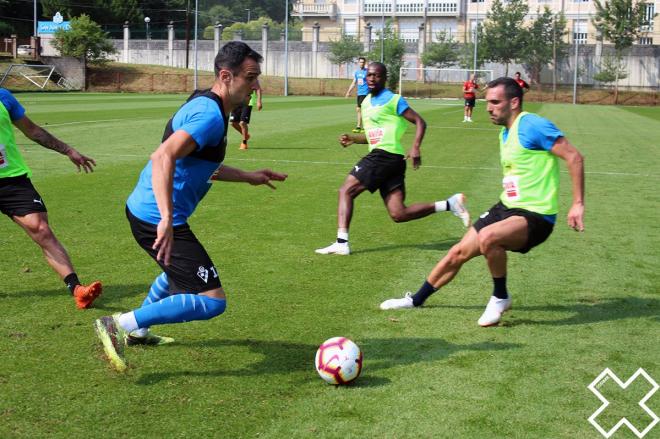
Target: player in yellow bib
525 215
385 118
21 202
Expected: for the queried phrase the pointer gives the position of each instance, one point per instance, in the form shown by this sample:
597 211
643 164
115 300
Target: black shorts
18 197
538 228
470 102
381 170
360 98
242 113
191 269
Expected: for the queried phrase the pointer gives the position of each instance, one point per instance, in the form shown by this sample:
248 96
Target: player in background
21 202
526 213
240 116
169 189
359 80
470 88
386 116
521 82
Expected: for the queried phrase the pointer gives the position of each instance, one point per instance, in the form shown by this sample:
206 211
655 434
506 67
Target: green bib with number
383 126
531 177
11 161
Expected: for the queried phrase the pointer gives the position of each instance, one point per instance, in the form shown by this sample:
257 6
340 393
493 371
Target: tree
538 49
393 52
85 39
503 35
620 22
344 50
611 70
441 54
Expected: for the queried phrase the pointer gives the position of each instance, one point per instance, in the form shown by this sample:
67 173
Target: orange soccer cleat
86 294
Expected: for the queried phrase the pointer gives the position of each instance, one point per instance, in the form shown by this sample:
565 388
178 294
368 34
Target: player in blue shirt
169 189
21 202
359 79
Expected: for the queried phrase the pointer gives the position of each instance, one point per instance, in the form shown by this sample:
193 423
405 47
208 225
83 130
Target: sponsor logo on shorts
203 274
485 214
357 168
38 201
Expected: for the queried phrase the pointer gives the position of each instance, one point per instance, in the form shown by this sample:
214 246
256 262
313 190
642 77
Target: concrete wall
72 69
643 61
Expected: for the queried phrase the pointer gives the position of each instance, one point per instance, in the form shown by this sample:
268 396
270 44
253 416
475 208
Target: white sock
128 322
442 206
140 332
342 234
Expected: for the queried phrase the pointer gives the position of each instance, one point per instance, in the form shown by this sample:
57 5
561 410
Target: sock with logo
72 282
342 236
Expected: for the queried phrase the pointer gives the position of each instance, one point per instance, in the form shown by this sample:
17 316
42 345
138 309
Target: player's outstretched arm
575 164
415 154
255 178
37 134
347 139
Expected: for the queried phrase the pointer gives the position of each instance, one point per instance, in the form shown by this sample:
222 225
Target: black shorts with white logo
18 197
538 228
470 102
241 114
360 98
381 170
191 269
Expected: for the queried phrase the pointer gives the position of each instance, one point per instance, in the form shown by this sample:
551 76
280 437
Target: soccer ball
338 360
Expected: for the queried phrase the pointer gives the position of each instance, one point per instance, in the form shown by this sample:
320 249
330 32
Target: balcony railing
448 8
315 9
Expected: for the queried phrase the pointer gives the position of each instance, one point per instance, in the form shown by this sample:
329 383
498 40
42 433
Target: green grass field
582 302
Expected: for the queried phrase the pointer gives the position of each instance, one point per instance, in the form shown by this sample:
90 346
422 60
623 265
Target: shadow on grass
583 313
433 246
282 357
111 293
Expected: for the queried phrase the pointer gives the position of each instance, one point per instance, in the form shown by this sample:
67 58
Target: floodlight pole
575 41
195 44
35 18
146 23
382 31
476 38
286 47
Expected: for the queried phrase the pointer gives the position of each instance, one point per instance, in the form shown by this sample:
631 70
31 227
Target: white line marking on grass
96 121
318 162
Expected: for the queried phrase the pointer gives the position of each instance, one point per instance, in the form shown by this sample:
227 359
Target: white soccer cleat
457 207
335 248
402 303
494 310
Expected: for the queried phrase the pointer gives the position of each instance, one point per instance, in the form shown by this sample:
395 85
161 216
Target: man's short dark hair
380 65
362 59
511 87
518 73
232 55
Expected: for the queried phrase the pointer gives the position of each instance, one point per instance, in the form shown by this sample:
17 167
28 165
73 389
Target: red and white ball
338 360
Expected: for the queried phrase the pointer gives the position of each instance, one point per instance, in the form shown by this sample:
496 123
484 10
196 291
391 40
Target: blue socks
159 290
179 308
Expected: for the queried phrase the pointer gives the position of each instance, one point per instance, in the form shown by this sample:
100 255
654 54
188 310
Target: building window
350 2
646 41
477 1
580 31
649 15
350 27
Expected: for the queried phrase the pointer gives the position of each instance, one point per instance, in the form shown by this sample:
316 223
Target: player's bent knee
214 307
